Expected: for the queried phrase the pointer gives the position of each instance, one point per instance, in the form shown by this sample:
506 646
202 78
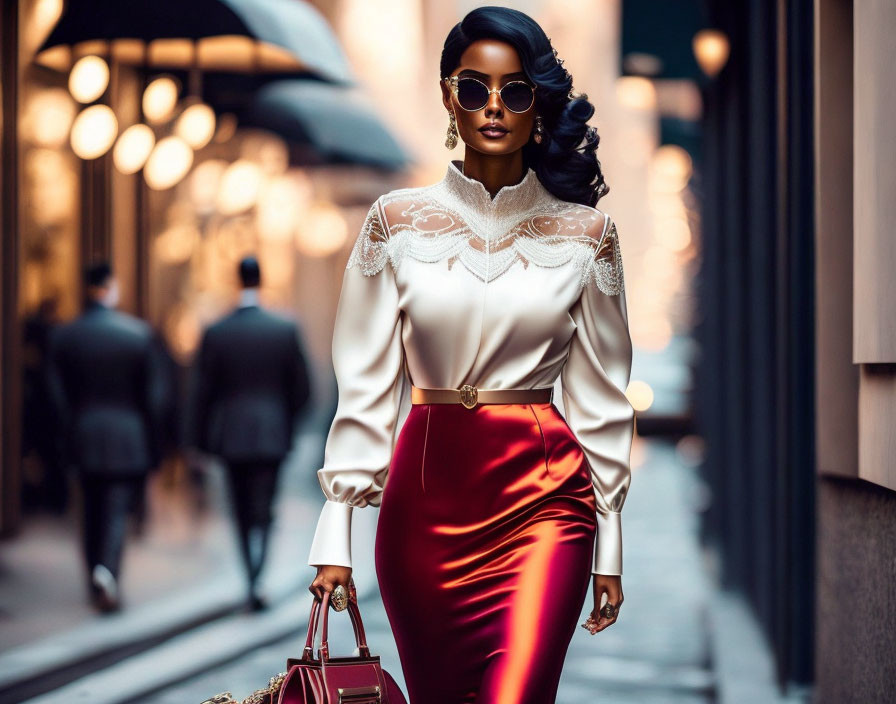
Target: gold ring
609 611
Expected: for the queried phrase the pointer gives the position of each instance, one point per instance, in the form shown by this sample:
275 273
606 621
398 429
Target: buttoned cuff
608 544
332 542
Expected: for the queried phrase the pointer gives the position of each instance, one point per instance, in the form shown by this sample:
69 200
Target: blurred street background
751 157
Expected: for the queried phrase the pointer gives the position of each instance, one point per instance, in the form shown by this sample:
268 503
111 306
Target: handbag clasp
360 695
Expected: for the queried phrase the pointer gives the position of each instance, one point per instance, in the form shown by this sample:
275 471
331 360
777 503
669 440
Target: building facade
797 388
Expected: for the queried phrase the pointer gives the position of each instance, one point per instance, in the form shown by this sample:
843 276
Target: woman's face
495 63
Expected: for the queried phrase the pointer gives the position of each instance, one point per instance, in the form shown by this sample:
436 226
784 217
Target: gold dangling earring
539 129
451 138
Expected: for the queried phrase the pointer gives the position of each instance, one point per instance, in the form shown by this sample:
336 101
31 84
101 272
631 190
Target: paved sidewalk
43 589
42 577
184 570
659 649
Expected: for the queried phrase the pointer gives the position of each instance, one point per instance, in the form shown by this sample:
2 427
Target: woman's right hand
329 577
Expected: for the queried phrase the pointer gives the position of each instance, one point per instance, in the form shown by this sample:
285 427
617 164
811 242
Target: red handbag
337 680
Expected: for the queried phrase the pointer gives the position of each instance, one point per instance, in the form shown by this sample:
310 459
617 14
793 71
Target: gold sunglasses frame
452 81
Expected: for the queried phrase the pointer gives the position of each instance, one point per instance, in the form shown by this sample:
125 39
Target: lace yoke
454 221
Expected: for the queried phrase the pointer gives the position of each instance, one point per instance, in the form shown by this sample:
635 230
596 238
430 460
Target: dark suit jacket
107 380
250 384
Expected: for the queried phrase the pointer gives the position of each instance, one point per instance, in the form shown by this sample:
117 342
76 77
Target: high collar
509 199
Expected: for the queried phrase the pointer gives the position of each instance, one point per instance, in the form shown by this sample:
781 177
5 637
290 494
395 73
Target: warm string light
133 148
711 49
88 79
245 206
168 163
196 125
94 131
160 99
256 203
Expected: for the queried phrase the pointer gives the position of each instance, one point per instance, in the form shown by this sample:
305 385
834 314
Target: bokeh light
205 181
94 131
636 93
50 185
281 204
240 187
671 168
133 148
48 116
196 125
234 238
674 234
47 13
177 243
88 79
691 450
711 49
640 395
321 231
265 149
160 99
168 163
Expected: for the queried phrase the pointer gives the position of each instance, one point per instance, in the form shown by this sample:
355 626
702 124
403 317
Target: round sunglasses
472 94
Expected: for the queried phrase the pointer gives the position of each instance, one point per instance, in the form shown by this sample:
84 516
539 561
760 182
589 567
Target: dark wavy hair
566 160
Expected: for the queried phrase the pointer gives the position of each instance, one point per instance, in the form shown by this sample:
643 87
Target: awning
254 36
338 122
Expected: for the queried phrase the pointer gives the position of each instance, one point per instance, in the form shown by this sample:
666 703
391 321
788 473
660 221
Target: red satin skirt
483 551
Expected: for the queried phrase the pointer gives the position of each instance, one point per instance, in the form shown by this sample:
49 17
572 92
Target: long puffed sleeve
593 382
368 359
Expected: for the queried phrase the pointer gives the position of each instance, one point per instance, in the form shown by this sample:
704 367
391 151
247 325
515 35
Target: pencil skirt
483 551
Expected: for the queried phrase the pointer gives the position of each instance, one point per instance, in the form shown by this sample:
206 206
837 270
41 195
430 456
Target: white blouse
446 286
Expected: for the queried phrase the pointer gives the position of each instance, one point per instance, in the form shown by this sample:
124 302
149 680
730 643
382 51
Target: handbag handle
308 651
314 622
357 624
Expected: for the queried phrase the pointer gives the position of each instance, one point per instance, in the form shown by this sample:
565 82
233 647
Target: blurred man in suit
106 378
251 382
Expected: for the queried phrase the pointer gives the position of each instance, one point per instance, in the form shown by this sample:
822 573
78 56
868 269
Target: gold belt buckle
468 395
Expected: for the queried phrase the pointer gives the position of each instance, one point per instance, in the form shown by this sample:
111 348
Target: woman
468 298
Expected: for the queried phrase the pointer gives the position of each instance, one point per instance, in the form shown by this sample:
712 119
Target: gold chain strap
259 696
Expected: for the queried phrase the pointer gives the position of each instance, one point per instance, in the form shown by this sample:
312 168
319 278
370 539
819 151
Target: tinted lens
471 94
517 96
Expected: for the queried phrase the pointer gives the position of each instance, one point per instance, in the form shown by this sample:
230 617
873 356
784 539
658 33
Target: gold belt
469 395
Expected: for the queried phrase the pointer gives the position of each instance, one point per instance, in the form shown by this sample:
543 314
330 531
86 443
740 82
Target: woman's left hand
611 585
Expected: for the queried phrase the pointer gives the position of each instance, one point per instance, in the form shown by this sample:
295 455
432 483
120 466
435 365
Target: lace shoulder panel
375 245
605 269
370 250
583 233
